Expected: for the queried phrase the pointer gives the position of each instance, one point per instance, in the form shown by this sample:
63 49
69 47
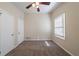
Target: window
60 26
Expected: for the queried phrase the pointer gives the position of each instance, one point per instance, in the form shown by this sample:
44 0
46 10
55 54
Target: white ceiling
43 8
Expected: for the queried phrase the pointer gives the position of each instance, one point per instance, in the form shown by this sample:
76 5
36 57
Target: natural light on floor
47 44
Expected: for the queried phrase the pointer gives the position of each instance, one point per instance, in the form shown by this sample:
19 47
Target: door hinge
0 52
0 13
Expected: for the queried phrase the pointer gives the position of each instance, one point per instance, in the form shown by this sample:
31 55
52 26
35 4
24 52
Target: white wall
16 13
71 41
37 26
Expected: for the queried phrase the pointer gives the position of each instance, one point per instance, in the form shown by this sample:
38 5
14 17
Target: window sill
60 37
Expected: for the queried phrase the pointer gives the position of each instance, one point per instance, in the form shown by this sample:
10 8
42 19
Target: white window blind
60 26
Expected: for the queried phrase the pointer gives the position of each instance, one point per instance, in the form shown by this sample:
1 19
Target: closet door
6 32
20 30
0 33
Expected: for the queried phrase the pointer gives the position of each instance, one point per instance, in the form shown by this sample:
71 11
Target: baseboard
14 47
36 39
18 44
63 48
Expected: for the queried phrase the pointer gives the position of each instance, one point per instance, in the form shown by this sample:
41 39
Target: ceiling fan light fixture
37 6
33 5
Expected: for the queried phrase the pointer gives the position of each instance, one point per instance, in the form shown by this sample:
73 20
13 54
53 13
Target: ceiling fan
36 4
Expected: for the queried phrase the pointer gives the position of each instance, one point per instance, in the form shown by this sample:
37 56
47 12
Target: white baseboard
36 39
12 49
18 44
64 48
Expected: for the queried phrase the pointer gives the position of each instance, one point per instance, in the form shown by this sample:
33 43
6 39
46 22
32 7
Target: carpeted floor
38 48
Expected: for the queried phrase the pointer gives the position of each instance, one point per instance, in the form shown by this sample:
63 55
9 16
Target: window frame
63 22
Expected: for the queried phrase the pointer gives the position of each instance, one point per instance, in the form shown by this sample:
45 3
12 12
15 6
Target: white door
20 30
0 34
6 32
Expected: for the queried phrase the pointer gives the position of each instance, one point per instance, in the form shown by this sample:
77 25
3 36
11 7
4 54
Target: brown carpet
38 48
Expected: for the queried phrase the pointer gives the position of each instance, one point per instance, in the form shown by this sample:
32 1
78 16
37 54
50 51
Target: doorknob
18 32
12 34
0 13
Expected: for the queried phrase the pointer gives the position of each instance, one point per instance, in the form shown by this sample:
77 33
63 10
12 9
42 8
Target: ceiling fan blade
45 3
38 9
29 6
